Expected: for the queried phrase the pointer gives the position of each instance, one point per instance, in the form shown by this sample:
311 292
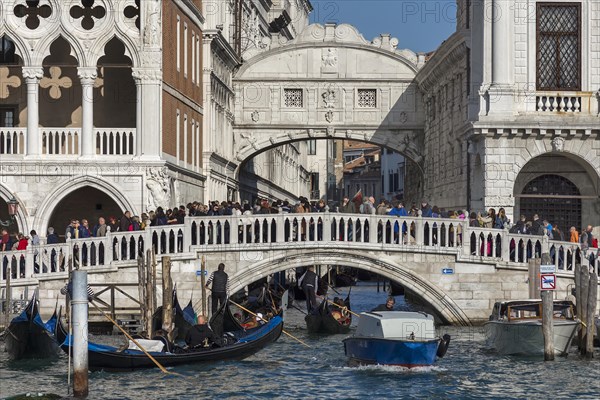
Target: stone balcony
67 142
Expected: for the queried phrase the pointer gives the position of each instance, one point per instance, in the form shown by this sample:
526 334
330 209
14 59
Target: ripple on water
289 370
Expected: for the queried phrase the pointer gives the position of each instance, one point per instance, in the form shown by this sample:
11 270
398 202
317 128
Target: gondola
28 336
184 318
323 318
241 344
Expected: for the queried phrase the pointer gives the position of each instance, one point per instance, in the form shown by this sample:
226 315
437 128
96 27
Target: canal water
289 370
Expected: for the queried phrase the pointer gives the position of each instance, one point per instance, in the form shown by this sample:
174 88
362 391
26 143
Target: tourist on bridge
347 206
309 282
220 287
388 306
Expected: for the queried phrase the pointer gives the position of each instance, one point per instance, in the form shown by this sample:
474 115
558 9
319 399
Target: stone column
32 76
138 112
149 118
501 42
87 75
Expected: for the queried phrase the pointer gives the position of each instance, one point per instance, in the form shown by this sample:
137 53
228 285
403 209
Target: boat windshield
563 310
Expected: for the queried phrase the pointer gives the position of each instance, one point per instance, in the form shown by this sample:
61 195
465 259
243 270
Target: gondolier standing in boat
220 287
309 282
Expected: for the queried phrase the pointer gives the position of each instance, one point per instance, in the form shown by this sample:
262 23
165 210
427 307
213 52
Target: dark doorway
84 203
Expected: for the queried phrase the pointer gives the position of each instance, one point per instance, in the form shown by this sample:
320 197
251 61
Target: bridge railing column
187 234
108 247
234 223
373 228
466 240
326 218
280 228
505 251
420 229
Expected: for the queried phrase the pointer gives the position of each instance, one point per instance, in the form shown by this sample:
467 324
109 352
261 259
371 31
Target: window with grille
558 46
554 198
367 98
293 98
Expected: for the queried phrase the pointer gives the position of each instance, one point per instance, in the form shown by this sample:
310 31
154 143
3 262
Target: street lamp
13 208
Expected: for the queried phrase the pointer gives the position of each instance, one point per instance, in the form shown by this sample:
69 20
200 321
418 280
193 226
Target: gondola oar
250 312
337 305
163 369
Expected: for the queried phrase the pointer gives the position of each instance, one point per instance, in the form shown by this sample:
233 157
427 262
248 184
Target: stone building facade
509 122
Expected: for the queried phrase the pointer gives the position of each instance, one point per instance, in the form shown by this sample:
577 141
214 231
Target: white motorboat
515 327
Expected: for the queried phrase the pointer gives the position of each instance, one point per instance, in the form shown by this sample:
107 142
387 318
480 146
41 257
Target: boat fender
443 347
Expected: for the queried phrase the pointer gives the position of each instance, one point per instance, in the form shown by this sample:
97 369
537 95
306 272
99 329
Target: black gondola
323 318
245 344
28 336
184 318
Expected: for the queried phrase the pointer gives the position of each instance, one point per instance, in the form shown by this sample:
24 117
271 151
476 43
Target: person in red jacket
23 242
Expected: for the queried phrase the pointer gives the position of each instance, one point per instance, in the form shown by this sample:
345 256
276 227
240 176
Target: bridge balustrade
283 231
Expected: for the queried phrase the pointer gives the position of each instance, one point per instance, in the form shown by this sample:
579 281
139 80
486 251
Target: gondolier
309 282
220 287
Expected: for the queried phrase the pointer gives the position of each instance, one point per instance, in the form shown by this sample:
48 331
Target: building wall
182 85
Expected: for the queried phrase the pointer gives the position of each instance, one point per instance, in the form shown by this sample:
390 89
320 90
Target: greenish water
288 370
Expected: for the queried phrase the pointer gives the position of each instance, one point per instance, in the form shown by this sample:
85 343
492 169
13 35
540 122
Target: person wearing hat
388 306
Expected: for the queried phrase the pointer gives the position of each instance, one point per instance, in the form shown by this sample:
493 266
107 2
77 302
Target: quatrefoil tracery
33 11
133 11
88 13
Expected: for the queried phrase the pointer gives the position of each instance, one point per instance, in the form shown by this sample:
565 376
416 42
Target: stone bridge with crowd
458 270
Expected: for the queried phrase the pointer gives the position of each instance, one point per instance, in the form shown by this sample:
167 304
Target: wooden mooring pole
80 334
142 293
8 296
547 314
150 293
203 284
167 297
582 307
591 312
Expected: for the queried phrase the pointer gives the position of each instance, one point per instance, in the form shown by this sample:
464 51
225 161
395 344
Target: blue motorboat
400 338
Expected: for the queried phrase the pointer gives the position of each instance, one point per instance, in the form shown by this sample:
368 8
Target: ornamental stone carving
87 75
158 183
558 144
32 73
255 116
329 60
328 98
33 12
88 14
329 116
152 27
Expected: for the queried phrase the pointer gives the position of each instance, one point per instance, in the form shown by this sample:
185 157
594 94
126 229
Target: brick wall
184 80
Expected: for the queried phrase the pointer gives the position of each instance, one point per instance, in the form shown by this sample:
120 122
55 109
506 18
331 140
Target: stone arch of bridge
399 272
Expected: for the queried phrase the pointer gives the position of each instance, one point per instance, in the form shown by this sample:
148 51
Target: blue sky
419 25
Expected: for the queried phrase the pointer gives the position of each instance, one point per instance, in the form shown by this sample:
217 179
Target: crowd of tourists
358 205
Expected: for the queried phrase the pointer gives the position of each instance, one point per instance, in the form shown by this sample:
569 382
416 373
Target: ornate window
133 11
367 98
89 13
558 46
293 98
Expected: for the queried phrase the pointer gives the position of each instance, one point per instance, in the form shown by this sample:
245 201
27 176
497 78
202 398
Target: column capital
146 75
87 75
33 73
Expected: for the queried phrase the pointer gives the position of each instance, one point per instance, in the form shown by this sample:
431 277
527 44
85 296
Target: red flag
357 199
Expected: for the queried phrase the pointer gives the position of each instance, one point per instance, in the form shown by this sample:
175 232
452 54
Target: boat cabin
396 325
529 309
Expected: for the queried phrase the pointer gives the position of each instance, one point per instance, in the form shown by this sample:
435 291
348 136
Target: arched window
7 51
554 198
